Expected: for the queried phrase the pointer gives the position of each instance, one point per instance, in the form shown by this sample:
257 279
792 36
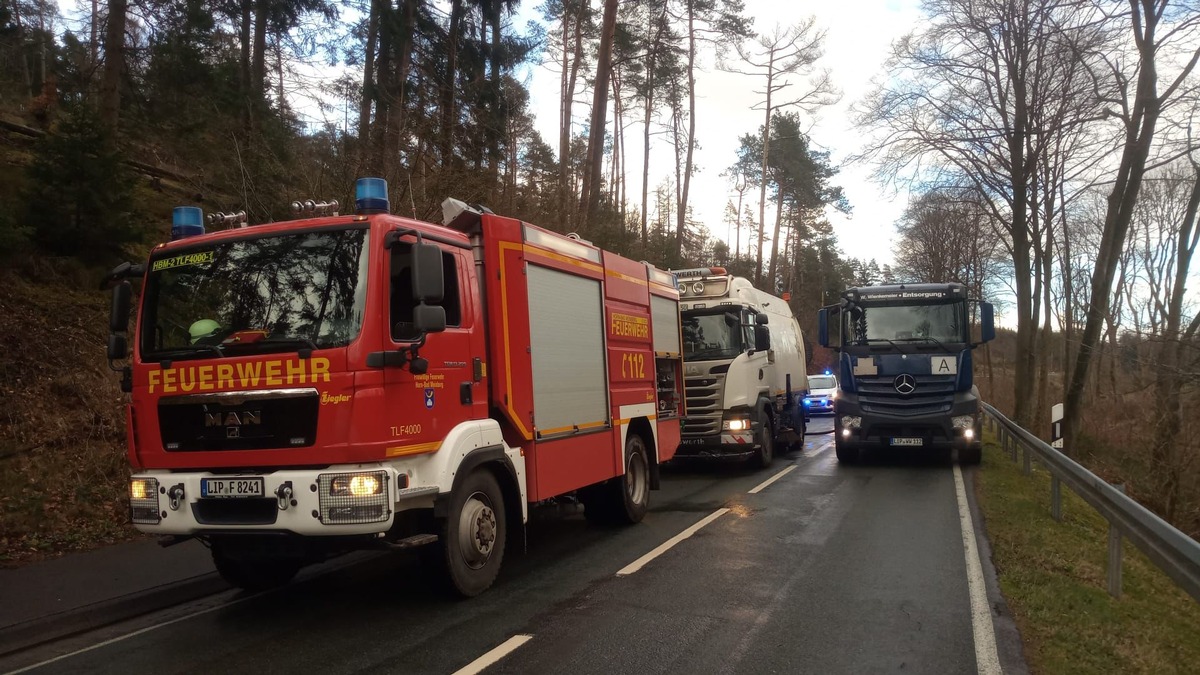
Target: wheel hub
477 531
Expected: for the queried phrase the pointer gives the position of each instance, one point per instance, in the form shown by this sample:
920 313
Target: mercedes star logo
905 384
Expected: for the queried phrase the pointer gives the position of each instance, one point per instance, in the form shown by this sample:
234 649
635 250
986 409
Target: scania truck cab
905 368
745 369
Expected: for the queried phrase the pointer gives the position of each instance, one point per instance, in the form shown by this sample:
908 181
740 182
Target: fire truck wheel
254 574
634 497
474 535
766 446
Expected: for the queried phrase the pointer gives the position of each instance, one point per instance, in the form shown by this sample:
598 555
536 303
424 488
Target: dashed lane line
763 485
493 657
666 545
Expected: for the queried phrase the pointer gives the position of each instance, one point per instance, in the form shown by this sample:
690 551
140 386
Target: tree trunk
1139 134
258 64
244 31
114 65
691 135
762 188
449 113
771 281
589 199
368 84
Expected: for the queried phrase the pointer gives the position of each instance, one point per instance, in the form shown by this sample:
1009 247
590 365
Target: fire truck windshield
278 293
933 323
712 336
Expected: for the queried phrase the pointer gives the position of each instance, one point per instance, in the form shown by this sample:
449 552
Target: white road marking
135 633
491 658
763 485
987 660
666 545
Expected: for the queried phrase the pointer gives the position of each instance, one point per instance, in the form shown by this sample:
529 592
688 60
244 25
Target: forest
1049 148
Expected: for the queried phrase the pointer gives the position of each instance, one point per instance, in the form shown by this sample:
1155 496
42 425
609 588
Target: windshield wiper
927 339
713 351
276 341
870 340
187 352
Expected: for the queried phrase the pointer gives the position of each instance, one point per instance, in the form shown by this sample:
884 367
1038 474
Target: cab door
423 407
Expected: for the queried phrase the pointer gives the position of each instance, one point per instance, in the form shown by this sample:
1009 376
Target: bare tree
1139 114
775 58
589 197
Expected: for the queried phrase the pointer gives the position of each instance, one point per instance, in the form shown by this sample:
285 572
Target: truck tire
845 455
766 445
254 573
624 499
972 455
473 535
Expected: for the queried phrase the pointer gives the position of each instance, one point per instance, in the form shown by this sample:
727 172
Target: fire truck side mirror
429 318
118 319
428 284
118 347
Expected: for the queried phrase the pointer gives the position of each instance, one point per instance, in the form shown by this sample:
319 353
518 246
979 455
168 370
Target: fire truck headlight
963 422
736 425
356 485
851 422
143 501
968 434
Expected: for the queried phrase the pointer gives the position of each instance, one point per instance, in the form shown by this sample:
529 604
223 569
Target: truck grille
933 395
704 397
285 418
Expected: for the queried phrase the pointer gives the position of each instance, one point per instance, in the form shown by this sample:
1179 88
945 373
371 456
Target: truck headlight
736 425
143 501
353 497
851 422
356 485
963 422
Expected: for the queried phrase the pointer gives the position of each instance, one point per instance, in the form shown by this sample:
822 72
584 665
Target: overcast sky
857 44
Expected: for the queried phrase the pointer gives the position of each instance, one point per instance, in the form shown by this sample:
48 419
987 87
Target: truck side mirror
429 318
762 338
760 319
427 282
118 318
118 347
987 322
823 327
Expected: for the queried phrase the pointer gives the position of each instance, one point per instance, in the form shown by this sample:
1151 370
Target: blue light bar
827 372
371 196
186 221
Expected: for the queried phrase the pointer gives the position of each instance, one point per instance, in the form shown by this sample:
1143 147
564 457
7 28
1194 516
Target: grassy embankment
1053 576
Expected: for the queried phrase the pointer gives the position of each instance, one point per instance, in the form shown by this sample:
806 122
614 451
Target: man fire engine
304 388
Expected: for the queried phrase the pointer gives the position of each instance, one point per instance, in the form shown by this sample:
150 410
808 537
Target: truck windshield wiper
190 351
275 342
870 340
927 339
712 351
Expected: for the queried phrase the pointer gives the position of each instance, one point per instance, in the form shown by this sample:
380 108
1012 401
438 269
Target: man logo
905 384
241 418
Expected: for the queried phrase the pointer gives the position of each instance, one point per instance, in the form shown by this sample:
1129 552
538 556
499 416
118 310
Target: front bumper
725 445
295 501
934 431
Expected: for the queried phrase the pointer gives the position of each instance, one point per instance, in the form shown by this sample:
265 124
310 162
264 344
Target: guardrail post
1114 556
1055 498
1027 464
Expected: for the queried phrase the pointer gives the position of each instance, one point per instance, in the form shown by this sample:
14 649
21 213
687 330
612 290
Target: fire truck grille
704 396
271 419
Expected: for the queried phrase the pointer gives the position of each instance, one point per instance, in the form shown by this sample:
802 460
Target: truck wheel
473 535
634 496
845 455
972 455
254 573
624 499
766 445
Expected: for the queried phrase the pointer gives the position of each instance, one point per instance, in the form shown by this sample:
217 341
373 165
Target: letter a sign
944 365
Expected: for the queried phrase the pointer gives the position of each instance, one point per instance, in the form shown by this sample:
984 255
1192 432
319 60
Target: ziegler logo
242 418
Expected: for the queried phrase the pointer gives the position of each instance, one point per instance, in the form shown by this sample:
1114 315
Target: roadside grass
1053 577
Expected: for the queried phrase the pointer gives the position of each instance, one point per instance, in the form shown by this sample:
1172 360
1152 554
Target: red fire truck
338 382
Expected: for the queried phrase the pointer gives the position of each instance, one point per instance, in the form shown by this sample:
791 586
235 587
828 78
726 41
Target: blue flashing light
186 221
808 401
371 196
827 372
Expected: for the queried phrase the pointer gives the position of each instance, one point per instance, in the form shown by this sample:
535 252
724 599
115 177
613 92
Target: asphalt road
828 569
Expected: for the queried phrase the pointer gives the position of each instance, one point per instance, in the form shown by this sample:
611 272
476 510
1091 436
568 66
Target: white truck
744 369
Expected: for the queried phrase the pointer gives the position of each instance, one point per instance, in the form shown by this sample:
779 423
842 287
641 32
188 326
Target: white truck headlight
963 422
851 422
736 425
353 497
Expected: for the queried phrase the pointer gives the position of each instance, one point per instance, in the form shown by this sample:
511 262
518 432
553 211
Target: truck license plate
908 441
225 488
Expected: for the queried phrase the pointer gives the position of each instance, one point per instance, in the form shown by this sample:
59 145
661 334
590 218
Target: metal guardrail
1171 550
